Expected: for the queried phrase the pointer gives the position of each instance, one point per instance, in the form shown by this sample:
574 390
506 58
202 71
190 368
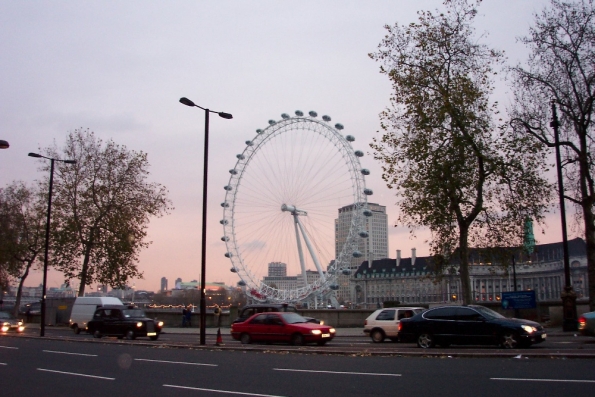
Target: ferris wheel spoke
300 163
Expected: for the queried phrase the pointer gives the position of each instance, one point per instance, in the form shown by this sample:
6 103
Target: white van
84 307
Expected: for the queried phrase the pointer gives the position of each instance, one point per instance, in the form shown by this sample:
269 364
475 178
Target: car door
97 323
276 330
257 327
441 322
472 327
387 320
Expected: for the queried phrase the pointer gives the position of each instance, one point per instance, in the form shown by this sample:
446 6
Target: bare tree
101 210
561 68
457 172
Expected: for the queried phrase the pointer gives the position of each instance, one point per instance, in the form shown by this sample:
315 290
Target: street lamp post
569 314
47 236
203 303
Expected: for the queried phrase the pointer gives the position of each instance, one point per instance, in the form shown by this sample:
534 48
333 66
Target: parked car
9 323
468 325
123 321
586 324
384 323
281 327
249 310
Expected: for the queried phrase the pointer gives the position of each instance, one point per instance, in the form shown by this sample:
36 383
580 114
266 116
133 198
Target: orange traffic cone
219 338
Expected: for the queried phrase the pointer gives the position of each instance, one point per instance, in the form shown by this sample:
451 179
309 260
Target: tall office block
374 247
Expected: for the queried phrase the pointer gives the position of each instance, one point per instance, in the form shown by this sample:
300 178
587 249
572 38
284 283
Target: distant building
411 281
164 284
374 247
178 282
277 269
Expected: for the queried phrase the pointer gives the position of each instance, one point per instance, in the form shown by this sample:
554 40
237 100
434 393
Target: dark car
468 325
123 321
250 310
586 324
9 323
281 327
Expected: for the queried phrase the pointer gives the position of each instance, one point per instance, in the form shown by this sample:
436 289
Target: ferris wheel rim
259 290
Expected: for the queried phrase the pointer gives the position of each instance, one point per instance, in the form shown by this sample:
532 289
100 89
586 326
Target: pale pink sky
119 69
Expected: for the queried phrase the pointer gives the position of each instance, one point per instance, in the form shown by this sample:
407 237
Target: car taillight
582 323
400 326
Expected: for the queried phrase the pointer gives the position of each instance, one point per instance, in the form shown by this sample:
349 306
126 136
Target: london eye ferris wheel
281 206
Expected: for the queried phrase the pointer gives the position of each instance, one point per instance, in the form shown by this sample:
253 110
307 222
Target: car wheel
297 340
76 329
154 337
97 334
510 340
245 339
130 335
377 336
425 341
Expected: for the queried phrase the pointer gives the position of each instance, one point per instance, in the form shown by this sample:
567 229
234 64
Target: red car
281 327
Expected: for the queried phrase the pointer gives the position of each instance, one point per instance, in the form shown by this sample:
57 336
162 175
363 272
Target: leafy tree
561 69
101 209
22 233
468 181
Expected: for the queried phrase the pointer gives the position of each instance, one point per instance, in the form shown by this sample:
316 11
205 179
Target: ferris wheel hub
293 210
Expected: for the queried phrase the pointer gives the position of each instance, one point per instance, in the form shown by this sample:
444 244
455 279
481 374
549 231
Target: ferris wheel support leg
300 251
312 253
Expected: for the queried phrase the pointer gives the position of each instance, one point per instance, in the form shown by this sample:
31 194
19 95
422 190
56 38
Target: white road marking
9 347
72 354
174 362
75 374
3 364
221 391
547 380
334 372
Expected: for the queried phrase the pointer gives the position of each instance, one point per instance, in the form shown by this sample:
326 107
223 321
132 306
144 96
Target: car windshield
133 313
293 318
488 313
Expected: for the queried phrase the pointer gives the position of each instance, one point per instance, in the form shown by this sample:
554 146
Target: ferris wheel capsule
306 151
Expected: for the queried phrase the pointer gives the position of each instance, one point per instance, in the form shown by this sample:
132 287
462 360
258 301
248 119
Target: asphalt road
60 367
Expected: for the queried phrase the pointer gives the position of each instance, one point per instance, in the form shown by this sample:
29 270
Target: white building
412 281
374 247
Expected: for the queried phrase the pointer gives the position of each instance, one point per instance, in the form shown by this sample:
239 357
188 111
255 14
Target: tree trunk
589 220
17 301
464 266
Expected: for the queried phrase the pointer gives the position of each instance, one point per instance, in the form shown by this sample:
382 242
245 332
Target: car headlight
4 328
139 324
20 323
316 331
160 324
332 330
528 329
